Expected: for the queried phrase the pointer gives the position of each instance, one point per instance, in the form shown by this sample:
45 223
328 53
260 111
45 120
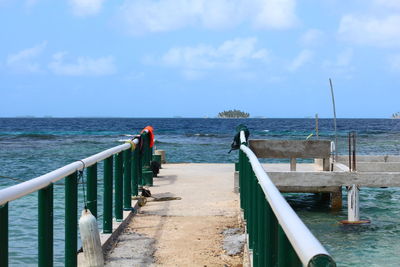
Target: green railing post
259 227
45 200
92 189
4 235
107 196
262 230
147 174
135 171
241 176
127 180
140 166
71 220
287 257
118 171
274 236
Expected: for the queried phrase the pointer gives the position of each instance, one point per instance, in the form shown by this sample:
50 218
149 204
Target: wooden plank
291 148
366 179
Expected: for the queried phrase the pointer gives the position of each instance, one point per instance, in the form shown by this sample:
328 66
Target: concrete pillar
236 182
353 204
292 164
162 153
326 164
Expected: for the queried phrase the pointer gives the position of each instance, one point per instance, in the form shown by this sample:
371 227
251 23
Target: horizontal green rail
118 162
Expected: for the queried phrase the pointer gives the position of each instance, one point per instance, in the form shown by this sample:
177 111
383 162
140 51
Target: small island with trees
233 114
396 115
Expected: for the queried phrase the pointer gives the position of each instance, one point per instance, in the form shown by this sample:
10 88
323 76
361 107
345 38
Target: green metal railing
276 235
122 167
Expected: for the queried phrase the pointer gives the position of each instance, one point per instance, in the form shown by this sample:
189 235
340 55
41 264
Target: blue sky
195 58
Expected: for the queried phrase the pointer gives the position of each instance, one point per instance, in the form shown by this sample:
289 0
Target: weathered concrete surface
189 231
107 240
327 179
371 158
377 166
291 148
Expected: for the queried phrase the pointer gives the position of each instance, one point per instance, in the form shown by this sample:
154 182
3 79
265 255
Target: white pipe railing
16 191
302 240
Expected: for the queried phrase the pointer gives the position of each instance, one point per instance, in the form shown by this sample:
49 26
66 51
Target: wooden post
292 164
336 200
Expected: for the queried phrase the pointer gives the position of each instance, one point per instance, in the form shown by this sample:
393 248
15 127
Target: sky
195 58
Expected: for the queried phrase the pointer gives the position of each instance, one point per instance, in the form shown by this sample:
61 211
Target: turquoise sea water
32 147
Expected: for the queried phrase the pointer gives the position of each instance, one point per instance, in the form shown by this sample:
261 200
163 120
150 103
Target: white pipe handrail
303 241
16 191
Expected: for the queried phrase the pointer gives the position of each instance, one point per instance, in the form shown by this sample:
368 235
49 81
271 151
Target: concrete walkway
183 224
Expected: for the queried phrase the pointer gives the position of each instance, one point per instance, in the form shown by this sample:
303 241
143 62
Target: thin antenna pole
316 125
334 118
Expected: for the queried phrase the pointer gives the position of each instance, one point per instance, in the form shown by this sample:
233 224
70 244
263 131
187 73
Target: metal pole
146 171
316 125
118 186
287 256
334 118
354 152
107 196
135 171
4 235
45 226
127 180
350 161
71 219
92 189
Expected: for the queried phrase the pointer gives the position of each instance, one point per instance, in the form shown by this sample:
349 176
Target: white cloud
341 65
388 3
394 62
231 55
344 57
25 60
381 32
141 16
302 58
275 14
83 66
86 7
312 37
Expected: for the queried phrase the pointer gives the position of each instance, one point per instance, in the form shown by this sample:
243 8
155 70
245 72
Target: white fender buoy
90 240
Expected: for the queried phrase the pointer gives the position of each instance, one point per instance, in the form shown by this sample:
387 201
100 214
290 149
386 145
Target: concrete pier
182 223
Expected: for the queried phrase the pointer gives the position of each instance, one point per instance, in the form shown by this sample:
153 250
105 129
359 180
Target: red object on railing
151 134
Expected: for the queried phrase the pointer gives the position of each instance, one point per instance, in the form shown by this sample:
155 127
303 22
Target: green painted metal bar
147 151
118 199
4 235
140 166
135 172
260 227
71 219
261 222
127 180
287 257
274 237
107 196
147 174
45 209
92 189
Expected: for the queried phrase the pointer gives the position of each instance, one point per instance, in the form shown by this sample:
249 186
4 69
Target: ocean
30 147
